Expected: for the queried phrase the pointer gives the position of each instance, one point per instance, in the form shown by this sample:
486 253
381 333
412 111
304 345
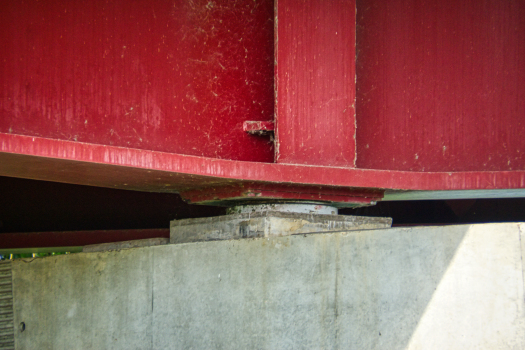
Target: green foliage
30 255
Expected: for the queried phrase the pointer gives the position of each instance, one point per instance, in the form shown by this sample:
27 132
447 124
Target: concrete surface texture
452 287
267 223
148 242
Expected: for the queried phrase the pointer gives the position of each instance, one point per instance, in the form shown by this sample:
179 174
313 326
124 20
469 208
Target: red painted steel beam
116 167
171 76
441 85
315 82
271 192
258 128
75 238
155 96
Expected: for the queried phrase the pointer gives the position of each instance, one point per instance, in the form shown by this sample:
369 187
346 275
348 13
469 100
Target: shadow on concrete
388 278
402 288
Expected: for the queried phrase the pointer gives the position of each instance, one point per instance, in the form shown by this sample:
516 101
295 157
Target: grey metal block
266 224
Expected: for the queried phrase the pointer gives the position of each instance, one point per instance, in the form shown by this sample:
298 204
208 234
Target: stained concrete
453 287
267 223
148 242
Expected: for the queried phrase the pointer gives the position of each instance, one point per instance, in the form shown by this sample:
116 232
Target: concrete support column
449 287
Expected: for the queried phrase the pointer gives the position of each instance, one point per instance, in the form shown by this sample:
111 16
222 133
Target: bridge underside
345 103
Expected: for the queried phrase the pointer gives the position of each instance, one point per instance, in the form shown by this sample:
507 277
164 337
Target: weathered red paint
440 96
315 82
75 238
171 76
258 128
441 85
265 192
117 167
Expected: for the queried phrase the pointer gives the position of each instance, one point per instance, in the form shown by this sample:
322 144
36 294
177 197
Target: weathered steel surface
173 76
155 96
271 192
116 167
258 128
315 82
302 208
441 85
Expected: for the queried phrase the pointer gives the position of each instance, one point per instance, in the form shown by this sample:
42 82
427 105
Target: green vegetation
30 255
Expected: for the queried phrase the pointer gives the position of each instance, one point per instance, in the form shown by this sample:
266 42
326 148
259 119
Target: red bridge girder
153 97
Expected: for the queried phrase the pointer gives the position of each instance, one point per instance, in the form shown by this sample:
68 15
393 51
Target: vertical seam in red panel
276 81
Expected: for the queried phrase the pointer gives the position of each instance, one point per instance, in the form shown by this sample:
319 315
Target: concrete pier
450 287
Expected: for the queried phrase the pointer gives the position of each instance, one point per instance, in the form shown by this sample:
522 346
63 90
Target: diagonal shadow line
437 287
390 277
434 287
479 300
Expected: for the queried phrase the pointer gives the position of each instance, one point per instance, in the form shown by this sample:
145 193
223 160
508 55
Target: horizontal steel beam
135 169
